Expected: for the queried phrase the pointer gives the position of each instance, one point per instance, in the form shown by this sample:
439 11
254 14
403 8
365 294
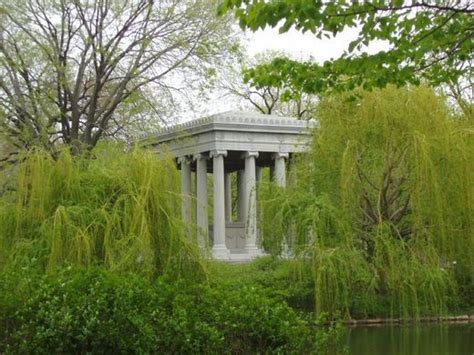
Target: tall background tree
74 72
428 42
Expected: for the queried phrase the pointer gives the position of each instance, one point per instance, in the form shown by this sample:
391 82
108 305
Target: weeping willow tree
118 210
382 206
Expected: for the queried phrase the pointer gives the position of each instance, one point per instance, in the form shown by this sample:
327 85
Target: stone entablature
235 131
234 120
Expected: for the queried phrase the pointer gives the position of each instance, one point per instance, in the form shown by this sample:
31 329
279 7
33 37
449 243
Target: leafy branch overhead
428 41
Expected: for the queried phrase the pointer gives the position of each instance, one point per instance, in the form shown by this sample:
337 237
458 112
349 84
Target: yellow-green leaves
387 185
115 209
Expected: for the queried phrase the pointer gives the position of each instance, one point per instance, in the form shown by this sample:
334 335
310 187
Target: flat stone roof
236 131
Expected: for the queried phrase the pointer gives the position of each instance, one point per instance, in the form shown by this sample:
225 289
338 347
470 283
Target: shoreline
461 319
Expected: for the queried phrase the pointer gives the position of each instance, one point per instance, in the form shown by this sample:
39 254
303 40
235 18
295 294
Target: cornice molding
233 119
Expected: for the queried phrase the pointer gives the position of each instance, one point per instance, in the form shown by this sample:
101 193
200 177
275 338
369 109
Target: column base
220 252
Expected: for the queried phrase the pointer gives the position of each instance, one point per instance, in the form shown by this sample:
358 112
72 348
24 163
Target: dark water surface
424 339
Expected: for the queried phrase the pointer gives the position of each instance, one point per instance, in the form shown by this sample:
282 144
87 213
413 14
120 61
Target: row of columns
222 204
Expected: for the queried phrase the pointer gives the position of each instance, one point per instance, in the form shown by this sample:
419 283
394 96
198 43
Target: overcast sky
303 45
296 45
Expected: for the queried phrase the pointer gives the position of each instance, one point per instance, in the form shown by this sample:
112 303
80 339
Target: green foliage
83 311
247 320
291 282
331 340
120 210
82 238
344 283
93 310
287 280
431 42
382 205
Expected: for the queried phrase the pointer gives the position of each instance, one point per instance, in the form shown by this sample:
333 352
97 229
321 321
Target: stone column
185 189
280 179
219 250
201 200
280 168
241 195
228 197
250 204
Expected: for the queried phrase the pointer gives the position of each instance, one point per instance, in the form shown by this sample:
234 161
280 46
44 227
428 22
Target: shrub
81 311
288 280
225 319
94 310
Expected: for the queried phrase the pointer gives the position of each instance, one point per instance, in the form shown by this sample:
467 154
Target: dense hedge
94 310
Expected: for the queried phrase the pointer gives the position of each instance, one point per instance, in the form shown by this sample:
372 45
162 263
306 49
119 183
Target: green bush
87 310
225 319
288 280
94 310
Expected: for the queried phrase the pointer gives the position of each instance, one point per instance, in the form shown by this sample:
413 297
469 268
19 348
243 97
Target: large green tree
384 203
428 41
74 72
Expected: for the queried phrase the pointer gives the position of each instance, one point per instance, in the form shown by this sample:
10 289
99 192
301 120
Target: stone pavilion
228 143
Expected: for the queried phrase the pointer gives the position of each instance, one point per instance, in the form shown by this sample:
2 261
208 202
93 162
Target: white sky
297 45
304 45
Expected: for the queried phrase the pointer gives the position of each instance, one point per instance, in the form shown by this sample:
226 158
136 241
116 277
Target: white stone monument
235 141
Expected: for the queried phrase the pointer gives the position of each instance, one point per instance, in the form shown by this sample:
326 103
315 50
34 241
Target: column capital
215 153
184 159
280 155
200 156
249 154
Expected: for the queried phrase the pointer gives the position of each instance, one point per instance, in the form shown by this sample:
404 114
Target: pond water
424 339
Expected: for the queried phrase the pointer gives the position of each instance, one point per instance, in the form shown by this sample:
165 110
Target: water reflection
429 339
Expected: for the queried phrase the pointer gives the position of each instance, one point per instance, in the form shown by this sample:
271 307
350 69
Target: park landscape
374 226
